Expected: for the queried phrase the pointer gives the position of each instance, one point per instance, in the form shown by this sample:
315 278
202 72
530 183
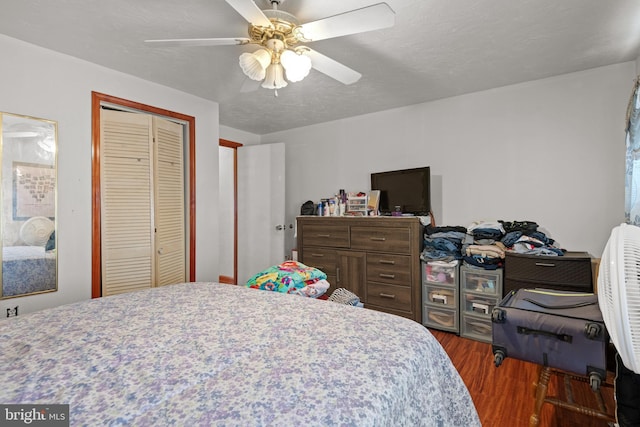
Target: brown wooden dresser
570 272
376 258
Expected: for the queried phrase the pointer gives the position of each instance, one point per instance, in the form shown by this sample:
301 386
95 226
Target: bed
211 354
27 269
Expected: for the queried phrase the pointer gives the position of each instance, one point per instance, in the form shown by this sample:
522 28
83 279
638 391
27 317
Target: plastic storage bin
480 291
440 295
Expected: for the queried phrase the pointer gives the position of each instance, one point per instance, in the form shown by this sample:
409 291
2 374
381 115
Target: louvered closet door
169 206
126 202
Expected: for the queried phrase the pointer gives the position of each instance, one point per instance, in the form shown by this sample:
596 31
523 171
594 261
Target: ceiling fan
279 35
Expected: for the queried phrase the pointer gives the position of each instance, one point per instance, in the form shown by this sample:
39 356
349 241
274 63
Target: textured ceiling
436 49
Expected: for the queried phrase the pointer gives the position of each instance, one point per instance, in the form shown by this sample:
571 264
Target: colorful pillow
287 277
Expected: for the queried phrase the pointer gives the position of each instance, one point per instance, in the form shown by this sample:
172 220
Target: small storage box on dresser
569 272
440 287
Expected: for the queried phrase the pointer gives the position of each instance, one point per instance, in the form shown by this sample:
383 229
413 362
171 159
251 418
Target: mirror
28 201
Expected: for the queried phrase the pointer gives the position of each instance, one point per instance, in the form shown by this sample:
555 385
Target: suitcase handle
560 307
527 331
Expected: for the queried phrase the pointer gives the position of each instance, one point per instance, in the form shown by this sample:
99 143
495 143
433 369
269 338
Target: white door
168 150
126 181
261 219
142 208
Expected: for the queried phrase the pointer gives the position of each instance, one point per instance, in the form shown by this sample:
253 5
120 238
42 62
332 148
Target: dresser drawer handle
323 235
317 255
387 276
378 239
387 261
545 264
392 296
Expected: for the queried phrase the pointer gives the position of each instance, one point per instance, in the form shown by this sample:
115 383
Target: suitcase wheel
593 330
595 381
498 315
498 357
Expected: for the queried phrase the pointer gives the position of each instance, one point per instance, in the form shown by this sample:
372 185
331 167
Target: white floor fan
279 38
619 299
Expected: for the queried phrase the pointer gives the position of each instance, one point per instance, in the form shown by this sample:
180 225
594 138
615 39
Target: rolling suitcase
558 329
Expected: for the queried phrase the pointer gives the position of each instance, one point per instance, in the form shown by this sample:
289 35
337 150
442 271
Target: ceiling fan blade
198 42
332 68
356 21
249 11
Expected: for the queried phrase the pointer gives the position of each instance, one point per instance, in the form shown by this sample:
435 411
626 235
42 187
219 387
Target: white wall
239 136
46 84
550 151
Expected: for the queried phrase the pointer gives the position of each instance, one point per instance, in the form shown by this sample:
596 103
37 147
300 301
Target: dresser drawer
389 296
571 270
336 236
384 239
391 269
320 258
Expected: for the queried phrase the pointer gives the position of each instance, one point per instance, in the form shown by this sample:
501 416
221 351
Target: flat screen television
408 188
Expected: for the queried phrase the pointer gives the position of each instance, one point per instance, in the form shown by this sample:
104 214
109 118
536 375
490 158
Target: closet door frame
97 101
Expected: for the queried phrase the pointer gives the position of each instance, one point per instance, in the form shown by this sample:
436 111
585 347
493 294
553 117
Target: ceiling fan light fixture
274 77
296 65
278 34
254 64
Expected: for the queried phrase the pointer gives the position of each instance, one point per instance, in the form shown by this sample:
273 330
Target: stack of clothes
443 243
487 242
484 243
483 247
525 237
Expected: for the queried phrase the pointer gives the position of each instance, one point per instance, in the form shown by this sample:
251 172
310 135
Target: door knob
279 227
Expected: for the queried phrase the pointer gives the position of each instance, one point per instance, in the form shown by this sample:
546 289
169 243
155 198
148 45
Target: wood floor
504 396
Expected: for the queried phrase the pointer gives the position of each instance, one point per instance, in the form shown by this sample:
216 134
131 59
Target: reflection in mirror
28 200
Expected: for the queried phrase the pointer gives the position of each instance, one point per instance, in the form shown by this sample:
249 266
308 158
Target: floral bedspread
205 354
27 269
